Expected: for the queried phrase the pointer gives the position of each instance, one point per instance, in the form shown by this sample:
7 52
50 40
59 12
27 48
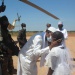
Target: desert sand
70 42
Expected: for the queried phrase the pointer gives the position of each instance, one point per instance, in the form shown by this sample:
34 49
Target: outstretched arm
12 26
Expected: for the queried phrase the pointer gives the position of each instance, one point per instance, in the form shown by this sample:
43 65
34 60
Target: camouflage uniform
4 66
9 46
3 60
12 50
6 61
22 37
10 63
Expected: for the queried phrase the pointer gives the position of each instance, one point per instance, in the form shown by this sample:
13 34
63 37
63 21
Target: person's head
23 25
49 32
60 25
58 37
4 22
48 25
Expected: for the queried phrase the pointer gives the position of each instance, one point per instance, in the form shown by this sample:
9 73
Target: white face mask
24 27
49 39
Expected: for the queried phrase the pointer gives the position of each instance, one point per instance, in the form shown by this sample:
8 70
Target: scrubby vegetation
30 33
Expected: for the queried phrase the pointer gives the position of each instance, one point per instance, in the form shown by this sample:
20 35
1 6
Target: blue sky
37 20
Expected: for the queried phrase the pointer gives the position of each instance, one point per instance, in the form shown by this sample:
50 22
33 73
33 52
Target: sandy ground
70 42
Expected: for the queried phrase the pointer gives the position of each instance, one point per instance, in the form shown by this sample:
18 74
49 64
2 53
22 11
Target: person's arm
12 26
52 61
19 37
37 50
54 43
40 52
53 65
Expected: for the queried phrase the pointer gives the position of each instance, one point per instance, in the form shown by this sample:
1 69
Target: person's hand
16 20
55 43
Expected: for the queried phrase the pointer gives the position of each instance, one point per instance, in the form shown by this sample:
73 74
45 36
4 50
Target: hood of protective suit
52 29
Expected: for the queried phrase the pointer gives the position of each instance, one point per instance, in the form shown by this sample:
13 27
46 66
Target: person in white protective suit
58 59
31 51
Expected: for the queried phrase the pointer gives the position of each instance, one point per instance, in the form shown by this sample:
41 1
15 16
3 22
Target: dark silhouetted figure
22 36
9 48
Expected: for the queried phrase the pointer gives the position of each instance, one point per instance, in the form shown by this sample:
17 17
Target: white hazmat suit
36 46
29 55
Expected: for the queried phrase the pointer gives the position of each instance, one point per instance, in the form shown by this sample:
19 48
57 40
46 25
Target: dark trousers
7 65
